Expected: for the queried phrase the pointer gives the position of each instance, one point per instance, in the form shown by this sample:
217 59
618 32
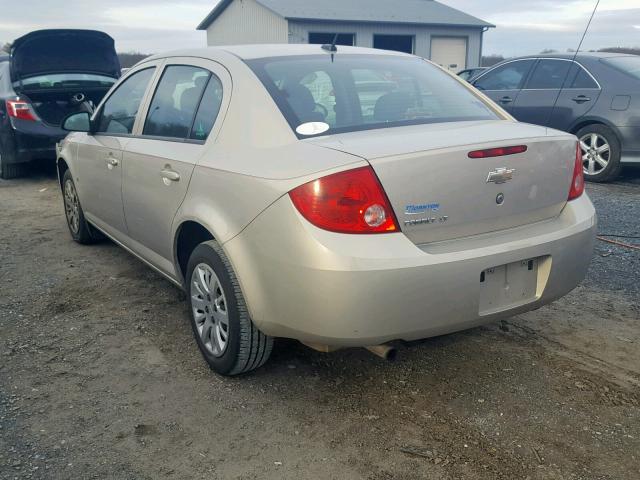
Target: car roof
579 56
252 52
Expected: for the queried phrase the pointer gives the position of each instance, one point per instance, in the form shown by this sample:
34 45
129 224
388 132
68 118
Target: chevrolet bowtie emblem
500 175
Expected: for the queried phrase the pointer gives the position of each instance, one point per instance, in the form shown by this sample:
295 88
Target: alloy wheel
72 206
210 312
596 153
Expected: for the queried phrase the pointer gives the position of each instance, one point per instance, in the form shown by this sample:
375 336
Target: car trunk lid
65 50
439 193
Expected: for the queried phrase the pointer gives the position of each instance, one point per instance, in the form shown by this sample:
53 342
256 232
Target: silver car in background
270 184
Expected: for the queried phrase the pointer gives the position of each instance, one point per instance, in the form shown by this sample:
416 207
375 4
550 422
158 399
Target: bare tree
632 51
129 59
490 60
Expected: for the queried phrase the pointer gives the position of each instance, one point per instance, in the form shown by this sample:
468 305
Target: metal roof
416 12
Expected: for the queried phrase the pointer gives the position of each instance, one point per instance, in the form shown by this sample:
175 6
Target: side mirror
77 122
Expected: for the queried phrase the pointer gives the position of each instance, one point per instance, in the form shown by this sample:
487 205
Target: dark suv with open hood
49 75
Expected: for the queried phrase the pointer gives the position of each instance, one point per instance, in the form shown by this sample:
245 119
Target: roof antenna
332 47
573 62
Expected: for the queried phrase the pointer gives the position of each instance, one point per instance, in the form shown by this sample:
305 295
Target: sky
149 26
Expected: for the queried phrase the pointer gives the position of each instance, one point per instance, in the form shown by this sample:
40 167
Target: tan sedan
343 199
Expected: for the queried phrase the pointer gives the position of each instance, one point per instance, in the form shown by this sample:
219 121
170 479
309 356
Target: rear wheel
226 335
78 226
8 169
600 153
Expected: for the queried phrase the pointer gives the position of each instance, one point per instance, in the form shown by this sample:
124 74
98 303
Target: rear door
557 93
181 118
503 83
98 169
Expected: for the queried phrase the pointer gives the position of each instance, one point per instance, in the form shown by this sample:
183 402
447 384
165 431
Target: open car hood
60 51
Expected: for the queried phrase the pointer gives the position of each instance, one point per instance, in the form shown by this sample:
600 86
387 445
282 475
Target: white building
426 28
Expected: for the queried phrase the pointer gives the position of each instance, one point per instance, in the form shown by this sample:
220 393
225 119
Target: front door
503 83
98 170
159 162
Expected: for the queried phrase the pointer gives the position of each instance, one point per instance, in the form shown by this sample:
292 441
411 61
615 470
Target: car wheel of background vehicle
600 153
8 169
226 335
78 226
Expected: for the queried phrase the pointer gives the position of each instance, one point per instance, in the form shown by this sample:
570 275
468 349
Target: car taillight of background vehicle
21 110
352 201
577 182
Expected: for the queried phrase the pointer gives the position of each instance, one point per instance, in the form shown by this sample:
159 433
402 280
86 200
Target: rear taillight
347 202
577 182
498 152
21 110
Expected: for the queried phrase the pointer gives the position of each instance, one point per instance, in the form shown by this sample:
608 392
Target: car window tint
387 95
175 101
509 76
549 75
359 92
581 79
119 112
208 110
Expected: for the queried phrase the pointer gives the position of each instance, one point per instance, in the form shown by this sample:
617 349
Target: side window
175 101
549 75
119 112
509 76
208 110
581 79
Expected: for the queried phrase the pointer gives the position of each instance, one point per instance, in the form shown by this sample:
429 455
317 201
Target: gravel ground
100 377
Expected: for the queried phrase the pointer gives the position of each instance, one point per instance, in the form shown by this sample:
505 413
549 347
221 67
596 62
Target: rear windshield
630 65
361 92
66 80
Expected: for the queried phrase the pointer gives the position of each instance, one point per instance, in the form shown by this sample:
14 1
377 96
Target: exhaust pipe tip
386 352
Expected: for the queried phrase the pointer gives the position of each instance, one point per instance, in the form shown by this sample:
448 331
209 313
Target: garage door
449 52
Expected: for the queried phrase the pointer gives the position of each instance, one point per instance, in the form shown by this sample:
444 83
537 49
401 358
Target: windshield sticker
312 128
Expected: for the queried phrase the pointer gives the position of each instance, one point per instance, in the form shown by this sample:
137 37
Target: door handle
581 99
506 100
169 175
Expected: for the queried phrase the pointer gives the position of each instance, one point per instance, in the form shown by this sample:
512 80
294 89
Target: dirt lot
100 377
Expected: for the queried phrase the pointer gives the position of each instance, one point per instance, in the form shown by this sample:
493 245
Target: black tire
612 170
83 233
247 348
8 169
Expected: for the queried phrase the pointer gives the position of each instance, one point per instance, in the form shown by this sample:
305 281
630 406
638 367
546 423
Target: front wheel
78 227
601 153
226 335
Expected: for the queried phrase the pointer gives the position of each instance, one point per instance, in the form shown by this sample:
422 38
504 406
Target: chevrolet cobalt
341 198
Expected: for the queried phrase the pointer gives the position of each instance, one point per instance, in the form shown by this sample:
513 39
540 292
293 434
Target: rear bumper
35 141
349 290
